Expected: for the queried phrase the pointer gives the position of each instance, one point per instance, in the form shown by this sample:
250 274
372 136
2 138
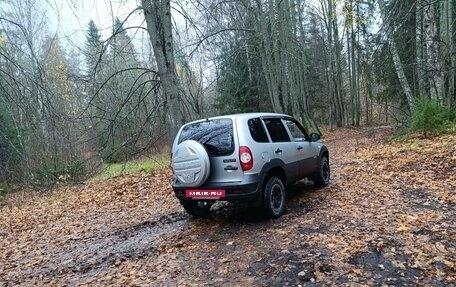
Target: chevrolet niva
247 157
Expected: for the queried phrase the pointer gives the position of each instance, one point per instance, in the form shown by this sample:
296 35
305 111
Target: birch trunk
432 46
419 46
397 59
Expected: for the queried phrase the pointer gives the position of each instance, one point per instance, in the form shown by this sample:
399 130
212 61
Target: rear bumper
247 190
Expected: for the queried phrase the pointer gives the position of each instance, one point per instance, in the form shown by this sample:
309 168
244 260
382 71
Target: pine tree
123 51
93 48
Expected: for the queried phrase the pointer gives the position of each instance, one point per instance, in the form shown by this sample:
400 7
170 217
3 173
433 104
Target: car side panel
311 152
286 152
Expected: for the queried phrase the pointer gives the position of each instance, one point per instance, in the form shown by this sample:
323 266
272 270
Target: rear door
282 147
217 136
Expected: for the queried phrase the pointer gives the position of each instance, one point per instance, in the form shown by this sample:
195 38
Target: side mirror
314 137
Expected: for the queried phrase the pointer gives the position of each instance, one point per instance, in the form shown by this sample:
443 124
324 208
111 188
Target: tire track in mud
85 256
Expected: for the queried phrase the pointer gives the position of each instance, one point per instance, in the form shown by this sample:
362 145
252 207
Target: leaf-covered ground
388 218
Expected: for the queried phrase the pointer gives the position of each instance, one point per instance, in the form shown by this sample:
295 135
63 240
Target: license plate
205 193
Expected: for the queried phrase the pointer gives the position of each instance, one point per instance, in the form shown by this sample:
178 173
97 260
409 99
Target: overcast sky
70 17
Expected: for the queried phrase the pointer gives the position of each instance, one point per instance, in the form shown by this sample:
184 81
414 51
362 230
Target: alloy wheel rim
276 197
325 170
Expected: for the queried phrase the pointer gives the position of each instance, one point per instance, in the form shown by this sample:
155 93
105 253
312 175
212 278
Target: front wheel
274 198
322 174
197 209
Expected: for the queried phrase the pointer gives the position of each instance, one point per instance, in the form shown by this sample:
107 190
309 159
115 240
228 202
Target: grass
132 167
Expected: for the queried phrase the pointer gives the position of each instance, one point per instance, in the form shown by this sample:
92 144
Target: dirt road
387 219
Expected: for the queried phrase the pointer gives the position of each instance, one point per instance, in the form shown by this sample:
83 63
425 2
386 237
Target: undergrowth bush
57 171
430 118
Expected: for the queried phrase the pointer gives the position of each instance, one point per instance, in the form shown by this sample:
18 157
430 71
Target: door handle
230 167
300 147
278 150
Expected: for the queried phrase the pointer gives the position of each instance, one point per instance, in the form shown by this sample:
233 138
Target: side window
257 131
295 130
277 130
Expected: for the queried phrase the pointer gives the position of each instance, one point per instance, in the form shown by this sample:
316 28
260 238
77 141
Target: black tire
322 174
274 198
197 209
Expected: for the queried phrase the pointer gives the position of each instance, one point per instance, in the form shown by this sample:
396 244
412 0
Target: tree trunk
302 68
337 50
419 46
284 29
448 53
452 52
397 59
433 64
267 56
158 19
357 74
334 59
349 24
353 64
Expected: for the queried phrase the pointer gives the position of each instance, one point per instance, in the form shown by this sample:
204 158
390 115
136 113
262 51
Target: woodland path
387 219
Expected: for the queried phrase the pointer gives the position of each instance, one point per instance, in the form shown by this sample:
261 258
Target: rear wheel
322 174
197 209
274 198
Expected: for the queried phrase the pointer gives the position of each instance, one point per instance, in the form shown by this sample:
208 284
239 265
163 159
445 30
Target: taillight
246 158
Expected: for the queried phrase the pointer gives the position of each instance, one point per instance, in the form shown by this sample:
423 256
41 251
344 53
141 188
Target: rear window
215 135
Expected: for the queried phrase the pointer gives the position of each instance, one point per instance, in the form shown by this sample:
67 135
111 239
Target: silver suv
245 158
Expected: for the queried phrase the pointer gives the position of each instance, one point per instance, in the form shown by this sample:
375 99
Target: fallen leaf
403 228
224 260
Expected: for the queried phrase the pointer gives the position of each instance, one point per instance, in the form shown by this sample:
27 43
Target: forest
93 92
67 109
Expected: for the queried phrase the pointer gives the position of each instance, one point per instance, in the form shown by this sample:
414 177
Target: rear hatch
217 136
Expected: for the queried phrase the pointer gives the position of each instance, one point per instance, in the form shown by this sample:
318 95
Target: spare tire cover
191 163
